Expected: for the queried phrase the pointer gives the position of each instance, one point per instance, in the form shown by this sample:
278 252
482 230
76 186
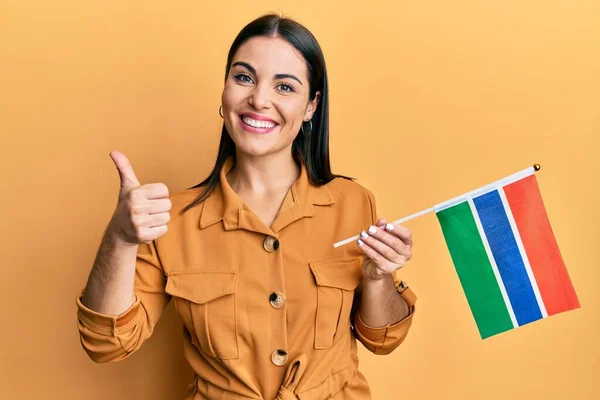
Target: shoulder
351 194
352 200
179 200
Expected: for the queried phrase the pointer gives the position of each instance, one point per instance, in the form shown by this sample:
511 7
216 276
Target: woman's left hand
387 246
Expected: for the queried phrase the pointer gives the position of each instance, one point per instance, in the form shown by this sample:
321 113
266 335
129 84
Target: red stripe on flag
544 256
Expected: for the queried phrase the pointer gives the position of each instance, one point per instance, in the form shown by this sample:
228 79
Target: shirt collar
223 204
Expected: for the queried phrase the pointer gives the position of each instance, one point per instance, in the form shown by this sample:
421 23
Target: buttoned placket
225 205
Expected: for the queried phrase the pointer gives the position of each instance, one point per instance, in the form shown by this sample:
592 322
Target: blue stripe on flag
507 256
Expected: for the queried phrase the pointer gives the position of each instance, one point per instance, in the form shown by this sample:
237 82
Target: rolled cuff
104 324
385 339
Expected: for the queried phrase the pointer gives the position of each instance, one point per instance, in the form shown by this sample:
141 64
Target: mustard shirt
267 312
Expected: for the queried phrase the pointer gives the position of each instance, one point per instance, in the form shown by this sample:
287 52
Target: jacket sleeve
381 340
110 338
385 339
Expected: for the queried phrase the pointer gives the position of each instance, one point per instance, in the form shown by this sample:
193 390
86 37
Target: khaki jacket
268 311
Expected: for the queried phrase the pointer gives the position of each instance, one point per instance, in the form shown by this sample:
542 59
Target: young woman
270 308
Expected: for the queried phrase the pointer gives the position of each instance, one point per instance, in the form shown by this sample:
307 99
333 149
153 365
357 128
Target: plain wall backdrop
441 97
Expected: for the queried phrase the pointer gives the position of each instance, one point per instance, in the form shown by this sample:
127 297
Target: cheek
228 101
231 96
293 113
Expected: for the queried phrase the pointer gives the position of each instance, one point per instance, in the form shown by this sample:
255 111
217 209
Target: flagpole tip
537 167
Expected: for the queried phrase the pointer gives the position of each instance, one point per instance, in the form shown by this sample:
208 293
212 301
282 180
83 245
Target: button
277 299
279 357
271 244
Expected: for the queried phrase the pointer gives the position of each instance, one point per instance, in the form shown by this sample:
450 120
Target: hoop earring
310 131
221 112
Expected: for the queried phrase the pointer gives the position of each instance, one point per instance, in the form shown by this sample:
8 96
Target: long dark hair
311 150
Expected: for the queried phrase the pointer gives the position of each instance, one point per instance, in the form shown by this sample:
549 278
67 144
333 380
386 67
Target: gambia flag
505 254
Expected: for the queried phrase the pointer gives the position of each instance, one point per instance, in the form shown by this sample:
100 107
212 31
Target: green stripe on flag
474 270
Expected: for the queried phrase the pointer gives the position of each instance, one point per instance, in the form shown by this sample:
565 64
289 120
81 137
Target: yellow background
437 97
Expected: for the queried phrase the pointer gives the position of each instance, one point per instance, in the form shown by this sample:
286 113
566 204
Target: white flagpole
456 200
400 221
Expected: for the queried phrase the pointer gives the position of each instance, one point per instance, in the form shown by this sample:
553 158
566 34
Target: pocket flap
201 287
343 273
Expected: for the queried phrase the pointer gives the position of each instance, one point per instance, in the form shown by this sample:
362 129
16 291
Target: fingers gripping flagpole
535 167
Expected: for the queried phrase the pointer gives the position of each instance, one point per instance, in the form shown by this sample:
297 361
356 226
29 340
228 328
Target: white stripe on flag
488 250
517 235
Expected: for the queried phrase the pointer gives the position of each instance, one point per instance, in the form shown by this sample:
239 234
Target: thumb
125 169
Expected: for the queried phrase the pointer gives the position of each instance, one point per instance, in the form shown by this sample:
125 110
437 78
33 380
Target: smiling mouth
253 123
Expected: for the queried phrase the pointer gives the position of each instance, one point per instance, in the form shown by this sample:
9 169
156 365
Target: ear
312 107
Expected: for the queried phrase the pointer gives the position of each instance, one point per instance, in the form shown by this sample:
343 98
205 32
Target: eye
244 78
284 87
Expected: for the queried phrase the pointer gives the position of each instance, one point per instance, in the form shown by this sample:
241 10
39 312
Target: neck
261 175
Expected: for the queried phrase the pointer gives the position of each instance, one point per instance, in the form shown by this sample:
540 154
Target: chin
252 149
252 152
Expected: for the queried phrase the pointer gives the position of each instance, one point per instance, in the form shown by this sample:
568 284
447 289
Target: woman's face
266 96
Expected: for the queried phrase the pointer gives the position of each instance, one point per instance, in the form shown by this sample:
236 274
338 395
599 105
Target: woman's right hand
142 211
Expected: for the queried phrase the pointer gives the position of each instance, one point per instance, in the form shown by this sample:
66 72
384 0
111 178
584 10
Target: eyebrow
253 71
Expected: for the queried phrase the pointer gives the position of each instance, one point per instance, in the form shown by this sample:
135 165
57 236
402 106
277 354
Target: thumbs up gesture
142 211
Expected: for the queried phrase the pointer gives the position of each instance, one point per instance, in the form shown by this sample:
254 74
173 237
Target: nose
260 97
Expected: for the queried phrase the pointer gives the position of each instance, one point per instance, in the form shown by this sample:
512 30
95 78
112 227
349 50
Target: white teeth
258 124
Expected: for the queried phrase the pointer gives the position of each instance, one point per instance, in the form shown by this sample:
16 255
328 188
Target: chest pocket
207 304
336 280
